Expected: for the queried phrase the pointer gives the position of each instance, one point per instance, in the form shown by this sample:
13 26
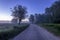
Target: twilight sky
33 6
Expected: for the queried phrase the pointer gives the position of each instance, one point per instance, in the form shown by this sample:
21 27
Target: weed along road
34 32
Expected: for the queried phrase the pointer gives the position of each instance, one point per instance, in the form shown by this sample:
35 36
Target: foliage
31 19
51 15
19 12
53 12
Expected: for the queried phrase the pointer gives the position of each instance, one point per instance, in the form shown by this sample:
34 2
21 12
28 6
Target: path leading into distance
34 32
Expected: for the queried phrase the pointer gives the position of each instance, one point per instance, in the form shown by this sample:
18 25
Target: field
9 31
53 28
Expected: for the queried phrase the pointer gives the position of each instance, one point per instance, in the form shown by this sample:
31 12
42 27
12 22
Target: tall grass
5 35
53 28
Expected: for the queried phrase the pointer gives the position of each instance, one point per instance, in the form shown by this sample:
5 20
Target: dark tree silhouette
19 12
31 19
51 15
54 12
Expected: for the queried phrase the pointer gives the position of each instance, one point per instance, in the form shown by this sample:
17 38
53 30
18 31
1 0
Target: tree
53 12
55 9
19 12
40 18
48 14
31 19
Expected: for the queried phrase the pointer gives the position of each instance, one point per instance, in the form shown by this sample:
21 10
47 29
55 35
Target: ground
34 32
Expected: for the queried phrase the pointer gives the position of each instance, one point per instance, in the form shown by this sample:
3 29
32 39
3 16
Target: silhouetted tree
53 12
31 19
19 12
40 18
49 15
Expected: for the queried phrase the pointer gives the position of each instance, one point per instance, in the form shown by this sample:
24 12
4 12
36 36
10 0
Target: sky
33 6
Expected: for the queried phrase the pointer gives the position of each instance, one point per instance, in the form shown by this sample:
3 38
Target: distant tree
19 12
14 20
31 19
37 18
55 10
49 15
40 18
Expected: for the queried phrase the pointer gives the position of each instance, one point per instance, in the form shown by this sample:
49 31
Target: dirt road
34 32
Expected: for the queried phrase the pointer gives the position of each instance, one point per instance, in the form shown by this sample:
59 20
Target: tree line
51 15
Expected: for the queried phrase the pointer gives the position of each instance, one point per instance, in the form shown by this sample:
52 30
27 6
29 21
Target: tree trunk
19 21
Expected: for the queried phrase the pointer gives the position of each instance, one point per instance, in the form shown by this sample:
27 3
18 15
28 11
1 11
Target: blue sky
33 6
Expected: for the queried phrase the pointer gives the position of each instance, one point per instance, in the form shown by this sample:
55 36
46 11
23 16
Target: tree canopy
54 12
19 12
51 15
31 19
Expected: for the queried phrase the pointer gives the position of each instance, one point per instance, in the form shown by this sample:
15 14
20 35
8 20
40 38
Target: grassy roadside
53 28
8 34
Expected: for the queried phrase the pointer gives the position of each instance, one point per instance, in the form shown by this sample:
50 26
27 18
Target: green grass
53 28
11 33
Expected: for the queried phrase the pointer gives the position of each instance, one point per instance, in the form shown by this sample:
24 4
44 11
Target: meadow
9 30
